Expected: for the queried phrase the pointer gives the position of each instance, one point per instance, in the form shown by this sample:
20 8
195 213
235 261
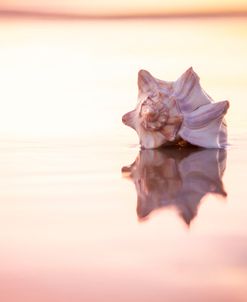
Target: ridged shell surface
170 112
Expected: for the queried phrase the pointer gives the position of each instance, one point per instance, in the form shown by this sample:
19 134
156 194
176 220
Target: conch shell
177 178
168 113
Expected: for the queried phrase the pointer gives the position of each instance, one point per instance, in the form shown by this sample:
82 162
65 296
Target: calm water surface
84 214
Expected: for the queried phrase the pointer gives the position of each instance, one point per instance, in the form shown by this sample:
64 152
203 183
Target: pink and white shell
170 112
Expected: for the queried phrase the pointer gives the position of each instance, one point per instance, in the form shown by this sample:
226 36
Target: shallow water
78 221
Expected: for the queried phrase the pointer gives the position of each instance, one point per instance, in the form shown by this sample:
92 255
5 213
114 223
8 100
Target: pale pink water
69 229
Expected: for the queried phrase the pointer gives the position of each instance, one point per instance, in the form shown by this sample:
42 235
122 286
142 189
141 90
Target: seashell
170 112
177 178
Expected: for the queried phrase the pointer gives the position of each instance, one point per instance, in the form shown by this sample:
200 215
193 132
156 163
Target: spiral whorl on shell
168 112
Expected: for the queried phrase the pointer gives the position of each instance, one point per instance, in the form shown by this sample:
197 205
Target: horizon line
30 14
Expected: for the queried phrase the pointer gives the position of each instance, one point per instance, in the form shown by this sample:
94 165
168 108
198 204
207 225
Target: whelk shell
170 112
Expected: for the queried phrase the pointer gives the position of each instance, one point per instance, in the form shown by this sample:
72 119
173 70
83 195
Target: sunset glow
85 213
126 7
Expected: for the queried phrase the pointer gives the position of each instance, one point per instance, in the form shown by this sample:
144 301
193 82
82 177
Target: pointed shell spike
168 112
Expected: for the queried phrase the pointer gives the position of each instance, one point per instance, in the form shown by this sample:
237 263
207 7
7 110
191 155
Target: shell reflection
177 178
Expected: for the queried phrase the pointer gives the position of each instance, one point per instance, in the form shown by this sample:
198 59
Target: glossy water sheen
77 223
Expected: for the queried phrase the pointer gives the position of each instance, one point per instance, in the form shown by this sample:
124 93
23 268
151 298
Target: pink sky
126 6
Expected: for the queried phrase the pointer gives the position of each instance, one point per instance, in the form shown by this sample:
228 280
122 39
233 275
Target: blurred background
69 229
125 8
93 51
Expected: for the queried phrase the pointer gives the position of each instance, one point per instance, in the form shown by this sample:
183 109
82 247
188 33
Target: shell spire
170 112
